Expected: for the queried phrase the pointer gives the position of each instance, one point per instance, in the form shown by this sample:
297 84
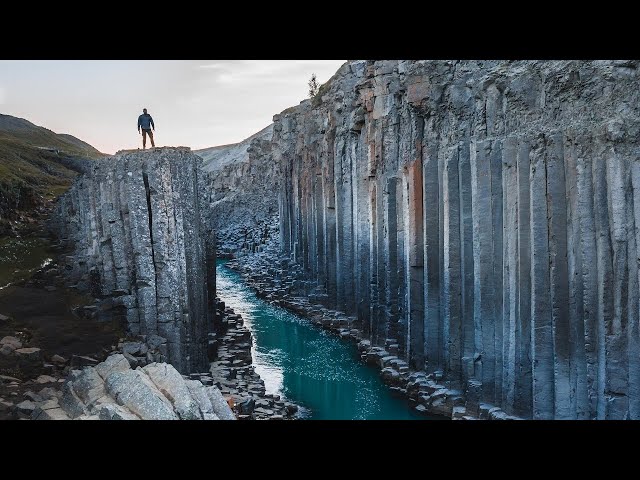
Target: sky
197 104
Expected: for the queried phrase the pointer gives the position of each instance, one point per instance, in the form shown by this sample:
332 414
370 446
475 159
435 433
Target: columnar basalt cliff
484 217
135 227
241 190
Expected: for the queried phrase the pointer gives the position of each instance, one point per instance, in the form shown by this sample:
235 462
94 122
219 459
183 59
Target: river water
306 364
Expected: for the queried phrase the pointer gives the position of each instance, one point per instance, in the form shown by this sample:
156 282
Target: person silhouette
145 121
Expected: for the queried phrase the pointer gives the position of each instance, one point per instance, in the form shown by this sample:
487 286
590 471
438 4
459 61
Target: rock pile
112 390
236 377
284 284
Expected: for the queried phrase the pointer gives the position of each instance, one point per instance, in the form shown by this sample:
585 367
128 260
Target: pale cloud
195 103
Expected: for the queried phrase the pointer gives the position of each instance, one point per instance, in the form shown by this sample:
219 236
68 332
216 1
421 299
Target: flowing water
306 364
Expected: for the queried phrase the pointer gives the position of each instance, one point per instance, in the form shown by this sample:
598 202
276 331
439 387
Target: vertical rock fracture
138 238
483 215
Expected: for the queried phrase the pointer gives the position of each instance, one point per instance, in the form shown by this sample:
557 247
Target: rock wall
484 216
135 227
241 188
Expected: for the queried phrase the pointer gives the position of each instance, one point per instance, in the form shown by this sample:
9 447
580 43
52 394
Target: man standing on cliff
146 123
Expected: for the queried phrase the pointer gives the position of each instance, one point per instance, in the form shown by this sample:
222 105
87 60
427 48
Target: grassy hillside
36 166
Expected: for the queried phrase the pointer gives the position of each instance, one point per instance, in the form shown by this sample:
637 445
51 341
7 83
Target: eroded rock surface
481 217
139 242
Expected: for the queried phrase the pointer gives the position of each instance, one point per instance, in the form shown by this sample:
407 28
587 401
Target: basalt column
135 226
482 219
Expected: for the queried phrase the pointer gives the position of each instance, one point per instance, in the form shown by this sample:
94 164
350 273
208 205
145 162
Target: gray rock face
220 406
138 394
139 240
241 183
173 386
113 391
483 216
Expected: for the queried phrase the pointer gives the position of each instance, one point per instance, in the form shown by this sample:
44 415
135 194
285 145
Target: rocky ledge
235 376
283 283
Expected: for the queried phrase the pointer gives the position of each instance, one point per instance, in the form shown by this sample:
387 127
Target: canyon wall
138 240
484 216
241 186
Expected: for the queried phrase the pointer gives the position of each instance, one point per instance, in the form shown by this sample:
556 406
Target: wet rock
4 318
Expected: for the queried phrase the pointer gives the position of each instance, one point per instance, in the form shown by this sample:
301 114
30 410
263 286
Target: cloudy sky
193 103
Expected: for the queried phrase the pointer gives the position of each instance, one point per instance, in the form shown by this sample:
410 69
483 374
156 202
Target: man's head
144 110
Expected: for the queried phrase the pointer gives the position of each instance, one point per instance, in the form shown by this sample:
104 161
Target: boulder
114 363
134 348
7 350
154 341
49 414
27 407
89 386
31 354
169 381
133 361
220 405
58 360
11 341
34 397
70 402
46 379
199 394
134 390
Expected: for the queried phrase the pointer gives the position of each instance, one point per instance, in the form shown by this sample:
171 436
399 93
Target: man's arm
152 125
139 124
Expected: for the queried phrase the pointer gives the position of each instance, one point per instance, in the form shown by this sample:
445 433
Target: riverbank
235 375
308 365
282 283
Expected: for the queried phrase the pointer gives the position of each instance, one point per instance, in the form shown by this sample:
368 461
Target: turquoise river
308 365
